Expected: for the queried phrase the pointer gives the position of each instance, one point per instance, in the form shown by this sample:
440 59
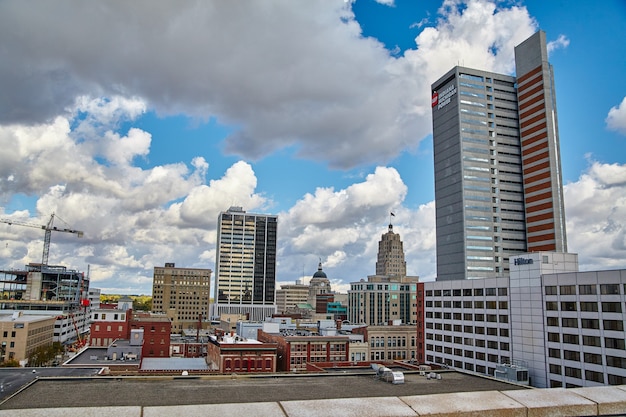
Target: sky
139 122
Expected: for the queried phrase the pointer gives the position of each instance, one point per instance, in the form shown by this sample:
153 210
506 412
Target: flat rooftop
224 389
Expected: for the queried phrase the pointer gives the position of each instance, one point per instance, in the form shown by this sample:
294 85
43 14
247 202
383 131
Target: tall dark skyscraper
498 186
245 280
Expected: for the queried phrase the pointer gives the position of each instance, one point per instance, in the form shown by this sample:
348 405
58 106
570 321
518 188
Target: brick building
301 353
228 354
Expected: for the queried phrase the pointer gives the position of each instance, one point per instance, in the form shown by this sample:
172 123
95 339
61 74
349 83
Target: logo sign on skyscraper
443 99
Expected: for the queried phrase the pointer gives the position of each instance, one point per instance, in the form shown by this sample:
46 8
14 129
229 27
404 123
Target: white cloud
616 119
294 85
595 208
561 42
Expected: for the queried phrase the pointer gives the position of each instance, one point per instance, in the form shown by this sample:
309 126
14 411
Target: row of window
607 306
575 339
489 305
616 325
468 292
491 318
587 289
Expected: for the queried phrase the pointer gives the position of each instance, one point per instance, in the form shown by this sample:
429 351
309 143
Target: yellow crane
49 228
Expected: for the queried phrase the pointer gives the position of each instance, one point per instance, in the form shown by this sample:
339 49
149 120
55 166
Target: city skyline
141 140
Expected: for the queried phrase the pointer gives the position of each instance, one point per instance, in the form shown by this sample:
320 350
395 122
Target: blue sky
156 118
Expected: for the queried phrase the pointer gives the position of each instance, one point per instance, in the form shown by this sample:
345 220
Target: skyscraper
390 255
389 295
245 264
498 187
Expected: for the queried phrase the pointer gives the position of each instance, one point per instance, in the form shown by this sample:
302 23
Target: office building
387 297
565 327
182 294
498 187
290 296
22 335
245 281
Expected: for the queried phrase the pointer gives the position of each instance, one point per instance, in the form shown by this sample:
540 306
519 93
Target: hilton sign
522 261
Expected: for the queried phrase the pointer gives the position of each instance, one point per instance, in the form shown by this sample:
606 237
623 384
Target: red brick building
109 324
156 334
228 354
303 352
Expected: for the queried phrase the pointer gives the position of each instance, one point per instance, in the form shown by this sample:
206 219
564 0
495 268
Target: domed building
319 284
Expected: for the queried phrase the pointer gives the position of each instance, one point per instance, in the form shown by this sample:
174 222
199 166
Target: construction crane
49 228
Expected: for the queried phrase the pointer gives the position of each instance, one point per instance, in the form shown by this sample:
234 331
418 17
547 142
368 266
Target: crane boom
49 228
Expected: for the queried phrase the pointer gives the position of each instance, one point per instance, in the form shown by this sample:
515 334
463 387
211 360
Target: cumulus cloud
561 42
595 208
295 85
616 120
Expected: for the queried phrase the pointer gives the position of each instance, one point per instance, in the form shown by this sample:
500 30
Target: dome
319 273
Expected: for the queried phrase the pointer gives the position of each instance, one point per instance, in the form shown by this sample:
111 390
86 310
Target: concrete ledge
590 401
241 409
610 400
554 402
484 404
349 407
74 411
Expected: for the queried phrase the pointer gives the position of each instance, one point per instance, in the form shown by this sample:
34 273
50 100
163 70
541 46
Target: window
571 355
590 323
568 305
550 290
617 325
554 353
555 369
502 291
552 306
609 289
588 306
594 358
569 322
554 337
568 289
572 372
591 341
613 343
571 339
609 307
587 289
594 376
614 361
552 321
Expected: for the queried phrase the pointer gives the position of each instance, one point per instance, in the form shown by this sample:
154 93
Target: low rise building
21 335
389 343
228 353
301 352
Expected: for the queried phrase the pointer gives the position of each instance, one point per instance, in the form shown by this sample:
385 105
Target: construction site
48 290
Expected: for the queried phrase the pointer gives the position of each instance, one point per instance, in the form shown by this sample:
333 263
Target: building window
571 339
607 289
568 290
594 376
590 323
591 341
550 290
614 343
609 307
571 355
595 359
588 306
616 325
569 322
587 289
